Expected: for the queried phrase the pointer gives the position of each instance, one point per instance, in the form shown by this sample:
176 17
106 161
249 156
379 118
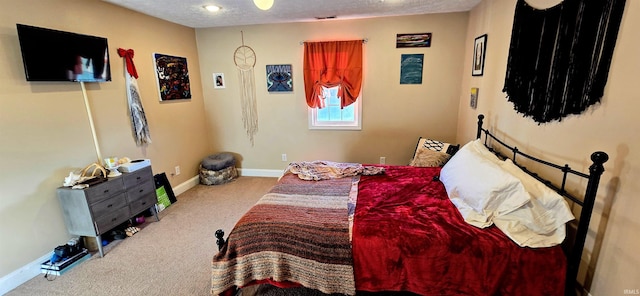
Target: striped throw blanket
298 232
323 170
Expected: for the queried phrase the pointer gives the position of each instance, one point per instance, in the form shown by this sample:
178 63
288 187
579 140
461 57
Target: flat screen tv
52 55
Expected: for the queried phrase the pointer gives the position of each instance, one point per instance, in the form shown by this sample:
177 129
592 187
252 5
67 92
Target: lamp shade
263 4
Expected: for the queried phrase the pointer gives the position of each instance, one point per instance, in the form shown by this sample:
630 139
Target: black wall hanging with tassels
559 57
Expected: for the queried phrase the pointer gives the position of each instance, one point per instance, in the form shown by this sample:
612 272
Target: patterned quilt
323 170
298 233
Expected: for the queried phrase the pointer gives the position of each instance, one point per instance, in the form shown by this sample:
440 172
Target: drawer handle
144 203
106 191
109 206
114 219
141 190
138 178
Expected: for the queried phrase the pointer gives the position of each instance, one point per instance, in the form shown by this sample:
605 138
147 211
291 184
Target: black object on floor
161 180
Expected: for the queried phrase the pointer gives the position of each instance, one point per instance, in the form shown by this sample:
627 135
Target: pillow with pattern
432 153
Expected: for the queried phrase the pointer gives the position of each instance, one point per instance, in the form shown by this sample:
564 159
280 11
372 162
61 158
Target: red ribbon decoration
128 56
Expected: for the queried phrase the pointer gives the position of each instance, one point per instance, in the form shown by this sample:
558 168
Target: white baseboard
260 173
192 182
186 185
22 275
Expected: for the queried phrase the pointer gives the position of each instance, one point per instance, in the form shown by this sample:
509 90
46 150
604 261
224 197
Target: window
332 67
331 117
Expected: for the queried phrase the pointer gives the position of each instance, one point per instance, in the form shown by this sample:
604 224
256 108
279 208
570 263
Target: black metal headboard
574 252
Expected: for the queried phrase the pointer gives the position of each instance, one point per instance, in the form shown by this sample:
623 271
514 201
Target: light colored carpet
169 257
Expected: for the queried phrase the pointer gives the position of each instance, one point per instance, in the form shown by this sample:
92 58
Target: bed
404 230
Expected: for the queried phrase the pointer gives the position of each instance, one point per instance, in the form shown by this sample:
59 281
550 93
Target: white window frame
356 124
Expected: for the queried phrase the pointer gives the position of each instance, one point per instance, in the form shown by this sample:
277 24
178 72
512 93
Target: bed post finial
220 238
480 119
598 159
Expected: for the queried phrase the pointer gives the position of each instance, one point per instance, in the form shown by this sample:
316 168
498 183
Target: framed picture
413 40
479 52
172 76
474 98
218 80
411 68
279 78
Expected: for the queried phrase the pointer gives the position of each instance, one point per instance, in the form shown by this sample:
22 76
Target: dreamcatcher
245 59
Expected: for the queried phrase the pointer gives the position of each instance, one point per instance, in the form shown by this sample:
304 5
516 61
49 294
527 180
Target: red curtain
330 64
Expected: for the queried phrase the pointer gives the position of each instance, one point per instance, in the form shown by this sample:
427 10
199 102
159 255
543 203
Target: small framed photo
218 80
479 53
474 98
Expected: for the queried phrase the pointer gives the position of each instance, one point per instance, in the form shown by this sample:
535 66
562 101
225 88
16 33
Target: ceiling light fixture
263 4
212 8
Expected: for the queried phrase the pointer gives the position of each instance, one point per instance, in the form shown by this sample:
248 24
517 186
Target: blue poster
279 78
411 68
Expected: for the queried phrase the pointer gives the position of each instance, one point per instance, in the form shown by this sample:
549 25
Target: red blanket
408 236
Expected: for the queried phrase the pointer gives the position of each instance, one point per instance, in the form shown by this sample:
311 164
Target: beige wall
394 115
44 128
613 242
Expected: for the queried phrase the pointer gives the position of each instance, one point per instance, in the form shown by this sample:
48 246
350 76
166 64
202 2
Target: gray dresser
99 208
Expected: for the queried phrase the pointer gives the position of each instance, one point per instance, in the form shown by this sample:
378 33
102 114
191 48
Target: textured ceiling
191 13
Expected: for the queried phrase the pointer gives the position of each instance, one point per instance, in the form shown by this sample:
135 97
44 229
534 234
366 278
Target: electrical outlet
284 157
177 170
383 160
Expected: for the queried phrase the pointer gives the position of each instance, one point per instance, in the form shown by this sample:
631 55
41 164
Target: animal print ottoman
218 169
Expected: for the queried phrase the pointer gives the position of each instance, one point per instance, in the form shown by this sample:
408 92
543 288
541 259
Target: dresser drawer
143 203
109 205
140 191
112 219
104 190
137 177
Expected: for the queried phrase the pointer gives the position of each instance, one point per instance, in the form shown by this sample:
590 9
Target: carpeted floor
169 257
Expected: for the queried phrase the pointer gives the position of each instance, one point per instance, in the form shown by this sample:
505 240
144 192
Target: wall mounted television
52 55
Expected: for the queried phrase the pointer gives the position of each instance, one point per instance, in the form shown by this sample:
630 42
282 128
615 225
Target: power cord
50 276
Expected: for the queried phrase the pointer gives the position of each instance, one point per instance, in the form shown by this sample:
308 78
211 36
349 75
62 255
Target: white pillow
480 188
481 149
550 208
540 222
524 237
